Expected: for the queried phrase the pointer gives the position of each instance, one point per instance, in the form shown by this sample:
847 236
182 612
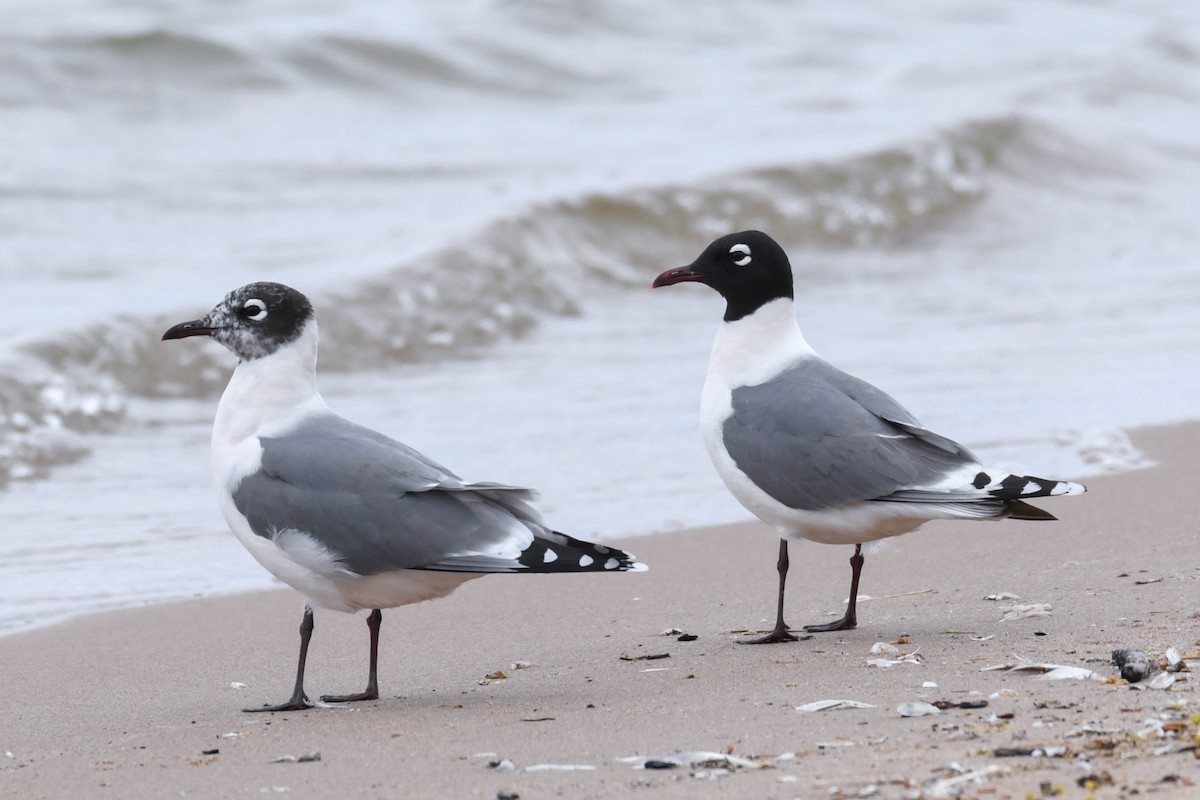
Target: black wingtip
558 552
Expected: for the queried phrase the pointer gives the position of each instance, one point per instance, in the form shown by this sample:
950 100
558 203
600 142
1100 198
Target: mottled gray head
253 321
748 268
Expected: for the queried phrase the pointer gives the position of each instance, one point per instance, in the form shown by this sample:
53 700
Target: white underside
302 563
267 397
774 339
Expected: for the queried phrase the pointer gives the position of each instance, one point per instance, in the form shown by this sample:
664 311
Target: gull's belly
848 524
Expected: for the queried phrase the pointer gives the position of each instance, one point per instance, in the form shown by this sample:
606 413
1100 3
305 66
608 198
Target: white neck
758 346
270 393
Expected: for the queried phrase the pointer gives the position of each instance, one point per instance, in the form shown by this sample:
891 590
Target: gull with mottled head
350 518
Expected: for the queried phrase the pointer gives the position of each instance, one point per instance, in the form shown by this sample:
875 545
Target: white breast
748 352
265 397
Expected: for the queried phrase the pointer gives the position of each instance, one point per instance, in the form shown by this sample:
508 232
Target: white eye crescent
255 310
742 250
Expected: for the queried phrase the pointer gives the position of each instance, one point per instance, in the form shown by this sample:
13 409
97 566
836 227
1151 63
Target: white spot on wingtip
612 563
549 557
585 560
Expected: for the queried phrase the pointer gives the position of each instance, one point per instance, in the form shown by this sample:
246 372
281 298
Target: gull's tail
553 551
1012 489
997 496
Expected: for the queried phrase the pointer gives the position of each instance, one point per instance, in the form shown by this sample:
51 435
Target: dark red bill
677 275
185 329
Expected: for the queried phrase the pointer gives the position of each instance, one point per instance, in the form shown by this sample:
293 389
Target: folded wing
377 505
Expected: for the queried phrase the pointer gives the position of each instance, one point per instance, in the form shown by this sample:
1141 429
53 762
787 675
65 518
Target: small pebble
1133 663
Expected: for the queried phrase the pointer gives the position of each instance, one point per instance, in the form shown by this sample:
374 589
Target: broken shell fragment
914 657
917 709
830 705
304 759
1053 671
1163 680
1023 611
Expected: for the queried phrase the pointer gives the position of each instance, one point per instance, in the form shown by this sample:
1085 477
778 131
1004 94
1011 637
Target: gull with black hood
814 452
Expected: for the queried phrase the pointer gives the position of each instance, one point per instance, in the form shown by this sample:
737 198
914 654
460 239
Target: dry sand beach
142 703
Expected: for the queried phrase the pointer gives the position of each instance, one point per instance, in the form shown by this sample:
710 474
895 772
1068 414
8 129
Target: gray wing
816 438
379 505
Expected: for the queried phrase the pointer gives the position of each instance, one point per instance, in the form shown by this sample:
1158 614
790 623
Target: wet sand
142 703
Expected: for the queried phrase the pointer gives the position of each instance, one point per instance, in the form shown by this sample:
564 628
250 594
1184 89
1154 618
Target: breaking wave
544 261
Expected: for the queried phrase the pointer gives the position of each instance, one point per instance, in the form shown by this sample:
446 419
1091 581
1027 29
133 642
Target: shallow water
990 212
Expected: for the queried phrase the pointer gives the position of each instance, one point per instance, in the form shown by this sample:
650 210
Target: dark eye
740 253
255 310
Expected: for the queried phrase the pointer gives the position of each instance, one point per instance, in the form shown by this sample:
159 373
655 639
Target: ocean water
990 209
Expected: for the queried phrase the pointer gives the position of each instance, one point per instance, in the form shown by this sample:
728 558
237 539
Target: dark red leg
298 701
780 633
850 620
372 692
